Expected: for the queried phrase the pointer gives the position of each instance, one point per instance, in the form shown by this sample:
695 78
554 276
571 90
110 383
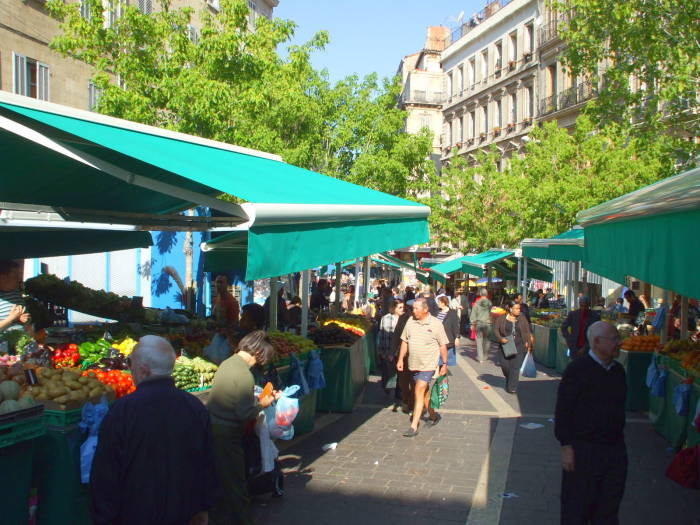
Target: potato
83 380
41 397
69 375
77 395
48 373
55 392
62 400
95 392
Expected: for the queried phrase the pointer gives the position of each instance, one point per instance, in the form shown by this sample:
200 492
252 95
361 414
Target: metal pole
664 325
305 302
338 273
524 279
357 282
367 269
518 279
684 318
272 322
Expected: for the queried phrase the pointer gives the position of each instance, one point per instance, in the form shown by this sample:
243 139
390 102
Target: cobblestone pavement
460 470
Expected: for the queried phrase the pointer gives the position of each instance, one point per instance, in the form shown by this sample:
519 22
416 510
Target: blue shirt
597 360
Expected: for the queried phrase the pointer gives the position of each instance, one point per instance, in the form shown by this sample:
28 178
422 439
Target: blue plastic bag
658 386
297 377
528 368
314 372
92 416
652 372
681 399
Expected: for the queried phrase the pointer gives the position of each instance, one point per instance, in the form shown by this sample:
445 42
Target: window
192 33
530 90
472 122
485 118
252 12
457 128
499 55
529 38
425 121
551 80
463 134
145 6
449 84
513 47
485 64
459 87
472 72
94 94
499 114
513 108
85 9
30 78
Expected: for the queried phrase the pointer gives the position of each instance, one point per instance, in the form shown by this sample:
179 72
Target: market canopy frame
648 234
293 219
567 246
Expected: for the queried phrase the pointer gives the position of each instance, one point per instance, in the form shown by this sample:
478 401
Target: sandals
410 433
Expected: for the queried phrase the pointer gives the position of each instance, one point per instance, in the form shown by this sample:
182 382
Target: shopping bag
281 414
658 386
297 377
685 468
92 416
440 391
681 399
528 368
218 350
314 372
652 372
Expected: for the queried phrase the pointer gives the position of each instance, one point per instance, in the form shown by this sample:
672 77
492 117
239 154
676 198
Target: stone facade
28 66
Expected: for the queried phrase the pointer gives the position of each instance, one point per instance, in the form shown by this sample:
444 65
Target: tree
231 84
645 57
539 194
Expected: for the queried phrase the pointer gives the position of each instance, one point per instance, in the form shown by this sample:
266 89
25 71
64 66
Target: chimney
436 38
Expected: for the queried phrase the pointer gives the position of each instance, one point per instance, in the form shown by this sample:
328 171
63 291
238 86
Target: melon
9 390
26 402
9 405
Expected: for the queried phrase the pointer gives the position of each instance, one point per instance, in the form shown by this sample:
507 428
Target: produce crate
22 425
63 418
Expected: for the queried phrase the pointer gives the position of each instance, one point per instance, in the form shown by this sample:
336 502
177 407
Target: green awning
28 244
567 246
648 234
294 219
476 264
449 267
535 270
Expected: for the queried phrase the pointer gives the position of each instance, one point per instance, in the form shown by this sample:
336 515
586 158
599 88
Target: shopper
226 308
576 324
294 312
524 308
281 308
589 425
481 322
450 323
424 340
385 352
636 307
541 300
232 405
404 380
513 326
13 314
430 298
154 462
319 299
349 299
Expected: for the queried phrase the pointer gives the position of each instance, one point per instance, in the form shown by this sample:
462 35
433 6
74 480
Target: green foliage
645 55
232 85
538 196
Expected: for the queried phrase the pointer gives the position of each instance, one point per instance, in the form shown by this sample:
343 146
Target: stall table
545 345
693 436
662 414
562 360
305 420
345 371
635 365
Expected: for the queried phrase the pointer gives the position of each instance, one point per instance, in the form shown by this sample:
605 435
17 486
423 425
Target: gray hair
483 292
156 354
421 300
598 329
258 345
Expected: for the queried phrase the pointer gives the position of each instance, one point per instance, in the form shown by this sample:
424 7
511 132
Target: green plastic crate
22 425
63 418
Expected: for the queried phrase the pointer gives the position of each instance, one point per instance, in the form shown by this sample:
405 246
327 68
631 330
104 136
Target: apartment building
423 88
29 67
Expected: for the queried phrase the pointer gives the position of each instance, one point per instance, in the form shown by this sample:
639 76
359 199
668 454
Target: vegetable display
687 352
332 334
66 387
190 374
121 382
66 356
286 343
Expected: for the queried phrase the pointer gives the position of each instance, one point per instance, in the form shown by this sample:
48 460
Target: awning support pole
524 284
357 283
367 269
338 276
664 325
272 322
305 302
518 279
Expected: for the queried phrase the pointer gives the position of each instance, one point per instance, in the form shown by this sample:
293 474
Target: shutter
42 76
19 74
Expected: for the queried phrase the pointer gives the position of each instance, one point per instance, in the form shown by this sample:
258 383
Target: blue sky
370 35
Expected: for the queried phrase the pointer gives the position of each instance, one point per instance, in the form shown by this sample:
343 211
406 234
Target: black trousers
510 366
592 493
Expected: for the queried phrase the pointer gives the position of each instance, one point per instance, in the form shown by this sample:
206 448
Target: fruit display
346 326
190 374
686 352
8 360
121 382
126 346
12 399
332 335
641 343
497 310
65 356
66 388
75 296
286 343
549 318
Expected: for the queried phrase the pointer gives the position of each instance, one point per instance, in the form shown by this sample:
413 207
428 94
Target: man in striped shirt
12 311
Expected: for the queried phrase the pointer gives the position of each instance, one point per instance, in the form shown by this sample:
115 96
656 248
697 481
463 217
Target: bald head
152 356
604 340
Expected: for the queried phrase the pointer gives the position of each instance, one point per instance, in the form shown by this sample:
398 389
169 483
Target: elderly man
154 463
575 325
589 424
425 340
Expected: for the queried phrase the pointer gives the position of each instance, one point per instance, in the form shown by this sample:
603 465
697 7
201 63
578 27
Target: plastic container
62 418
16 462
22 425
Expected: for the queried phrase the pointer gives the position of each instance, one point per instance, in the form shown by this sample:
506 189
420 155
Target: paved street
478 466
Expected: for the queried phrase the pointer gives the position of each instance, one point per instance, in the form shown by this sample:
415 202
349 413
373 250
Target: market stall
547 349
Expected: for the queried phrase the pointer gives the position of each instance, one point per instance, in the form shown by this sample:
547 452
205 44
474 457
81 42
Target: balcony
487 12
575 95
548 105
549 32
417 96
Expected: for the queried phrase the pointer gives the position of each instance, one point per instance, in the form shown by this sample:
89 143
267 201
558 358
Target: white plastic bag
218 350
528 368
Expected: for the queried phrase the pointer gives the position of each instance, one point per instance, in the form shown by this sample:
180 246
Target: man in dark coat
576 324
589 424
154 463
